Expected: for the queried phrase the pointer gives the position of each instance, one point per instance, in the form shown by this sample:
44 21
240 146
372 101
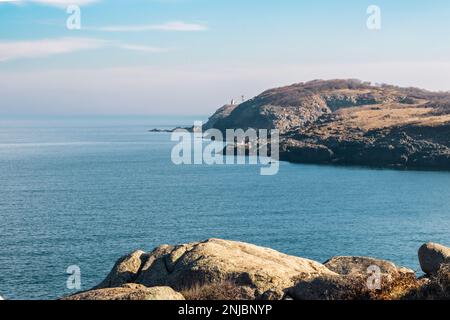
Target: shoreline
285 158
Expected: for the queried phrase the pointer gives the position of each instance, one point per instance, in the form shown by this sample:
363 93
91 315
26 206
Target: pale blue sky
192 56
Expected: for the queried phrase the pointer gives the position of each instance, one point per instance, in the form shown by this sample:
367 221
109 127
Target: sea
83 191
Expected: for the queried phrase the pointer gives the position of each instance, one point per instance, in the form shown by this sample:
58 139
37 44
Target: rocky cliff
218 269
350 122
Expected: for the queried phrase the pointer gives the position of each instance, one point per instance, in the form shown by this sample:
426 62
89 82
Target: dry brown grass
435 288
396 289
392 290
385 116
401 287
226 290
354 287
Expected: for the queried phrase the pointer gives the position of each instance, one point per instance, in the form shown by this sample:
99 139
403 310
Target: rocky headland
349 122
218 269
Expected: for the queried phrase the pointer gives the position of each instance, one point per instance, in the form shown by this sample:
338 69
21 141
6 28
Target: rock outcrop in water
221 269
350 122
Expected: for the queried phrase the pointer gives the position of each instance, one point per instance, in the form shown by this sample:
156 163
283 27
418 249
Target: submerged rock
432 256
129 292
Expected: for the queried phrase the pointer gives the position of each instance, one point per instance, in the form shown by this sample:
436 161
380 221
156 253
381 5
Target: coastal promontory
349 122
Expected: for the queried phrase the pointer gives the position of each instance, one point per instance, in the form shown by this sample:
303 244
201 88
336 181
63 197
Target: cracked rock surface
213 261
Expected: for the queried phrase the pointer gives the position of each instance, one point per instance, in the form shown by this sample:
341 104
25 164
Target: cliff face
350 122
220 114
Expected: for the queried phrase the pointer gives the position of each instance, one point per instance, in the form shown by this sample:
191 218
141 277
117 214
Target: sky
189 57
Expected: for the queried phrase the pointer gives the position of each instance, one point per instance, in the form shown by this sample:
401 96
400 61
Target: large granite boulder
432 256
215 261
360 266
354 280
329 287
129 292
125 270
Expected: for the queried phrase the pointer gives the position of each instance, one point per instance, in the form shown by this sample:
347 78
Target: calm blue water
86 191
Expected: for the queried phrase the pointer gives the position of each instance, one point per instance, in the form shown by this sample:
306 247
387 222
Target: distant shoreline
349 122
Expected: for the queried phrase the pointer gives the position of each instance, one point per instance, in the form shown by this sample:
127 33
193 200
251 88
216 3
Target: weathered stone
216 261
219 291
220 114
443 277
129 292
229 270
359 266
431 256
329 287
124 271
272 295
433 287
299 151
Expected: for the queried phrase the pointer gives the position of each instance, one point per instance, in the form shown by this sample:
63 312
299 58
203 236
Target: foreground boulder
434 287
352 281
360 266
129 292
227 270
265 273
328 287
432 256
125 270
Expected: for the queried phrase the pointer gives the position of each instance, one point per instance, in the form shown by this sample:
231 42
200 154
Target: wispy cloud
168 26
141 48
12 50
56 3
